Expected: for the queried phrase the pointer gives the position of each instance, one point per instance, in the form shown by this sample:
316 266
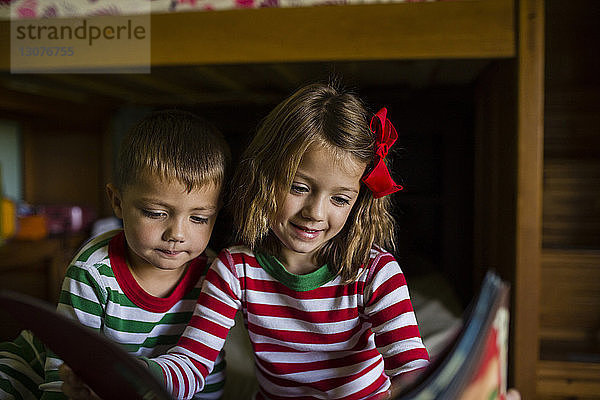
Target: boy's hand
73 387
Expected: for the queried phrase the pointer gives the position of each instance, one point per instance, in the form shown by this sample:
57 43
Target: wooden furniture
18 259
35 268
508 124
569 365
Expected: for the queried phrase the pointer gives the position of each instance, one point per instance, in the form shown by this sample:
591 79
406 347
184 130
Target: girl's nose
314 208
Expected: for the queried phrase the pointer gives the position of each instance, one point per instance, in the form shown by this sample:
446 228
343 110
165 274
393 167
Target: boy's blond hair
174 144
322 115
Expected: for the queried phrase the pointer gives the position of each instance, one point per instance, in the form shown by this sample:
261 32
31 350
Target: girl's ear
114 196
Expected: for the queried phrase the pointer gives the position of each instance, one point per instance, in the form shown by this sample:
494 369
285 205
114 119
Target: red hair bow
378 179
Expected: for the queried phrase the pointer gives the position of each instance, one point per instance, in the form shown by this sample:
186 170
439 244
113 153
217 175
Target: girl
326 307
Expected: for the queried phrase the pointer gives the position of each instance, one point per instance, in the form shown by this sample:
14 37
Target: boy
139 286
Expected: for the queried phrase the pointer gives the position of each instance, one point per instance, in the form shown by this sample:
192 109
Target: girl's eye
199 220
298 188
153 214
341 201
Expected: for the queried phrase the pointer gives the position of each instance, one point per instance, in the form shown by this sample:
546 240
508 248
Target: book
106 367
474 364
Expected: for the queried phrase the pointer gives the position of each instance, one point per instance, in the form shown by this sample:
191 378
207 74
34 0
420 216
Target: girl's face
165 226
317 206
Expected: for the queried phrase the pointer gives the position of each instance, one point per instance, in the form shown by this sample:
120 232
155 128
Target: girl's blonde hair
317 114
174 144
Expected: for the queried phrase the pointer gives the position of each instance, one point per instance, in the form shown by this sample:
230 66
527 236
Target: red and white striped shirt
313 337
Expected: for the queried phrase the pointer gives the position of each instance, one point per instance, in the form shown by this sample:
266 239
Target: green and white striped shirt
100 291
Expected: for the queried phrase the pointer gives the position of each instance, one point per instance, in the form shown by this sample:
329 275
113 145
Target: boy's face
165 226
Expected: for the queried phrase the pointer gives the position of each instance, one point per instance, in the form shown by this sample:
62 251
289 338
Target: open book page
474 366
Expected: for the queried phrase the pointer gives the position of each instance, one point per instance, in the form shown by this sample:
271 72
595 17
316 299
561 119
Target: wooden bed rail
436 30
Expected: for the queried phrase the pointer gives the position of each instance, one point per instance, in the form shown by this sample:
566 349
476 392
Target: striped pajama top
313 337
100 291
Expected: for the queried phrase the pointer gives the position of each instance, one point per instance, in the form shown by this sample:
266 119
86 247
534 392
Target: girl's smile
305 232
317 206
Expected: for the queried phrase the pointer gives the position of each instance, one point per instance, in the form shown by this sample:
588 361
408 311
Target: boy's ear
115 200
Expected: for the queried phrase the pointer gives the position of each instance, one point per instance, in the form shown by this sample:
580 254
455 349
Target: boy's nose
174 233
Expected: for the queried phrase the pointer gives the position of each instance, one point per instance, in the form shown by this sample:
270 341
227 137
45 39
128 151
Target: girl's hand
73 387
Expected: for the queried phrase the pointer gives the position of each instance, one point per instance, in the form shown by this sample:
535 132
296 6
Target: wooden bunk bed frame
492 29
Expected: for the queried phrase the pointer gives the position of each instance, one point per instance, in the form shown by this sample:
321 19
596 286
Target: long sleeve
186 366
21 367
313 336
82 299
389 309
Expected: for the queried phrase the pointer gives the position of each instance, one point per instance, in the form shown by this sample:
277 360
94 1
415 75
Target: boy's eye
199 220
342 201
153 214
